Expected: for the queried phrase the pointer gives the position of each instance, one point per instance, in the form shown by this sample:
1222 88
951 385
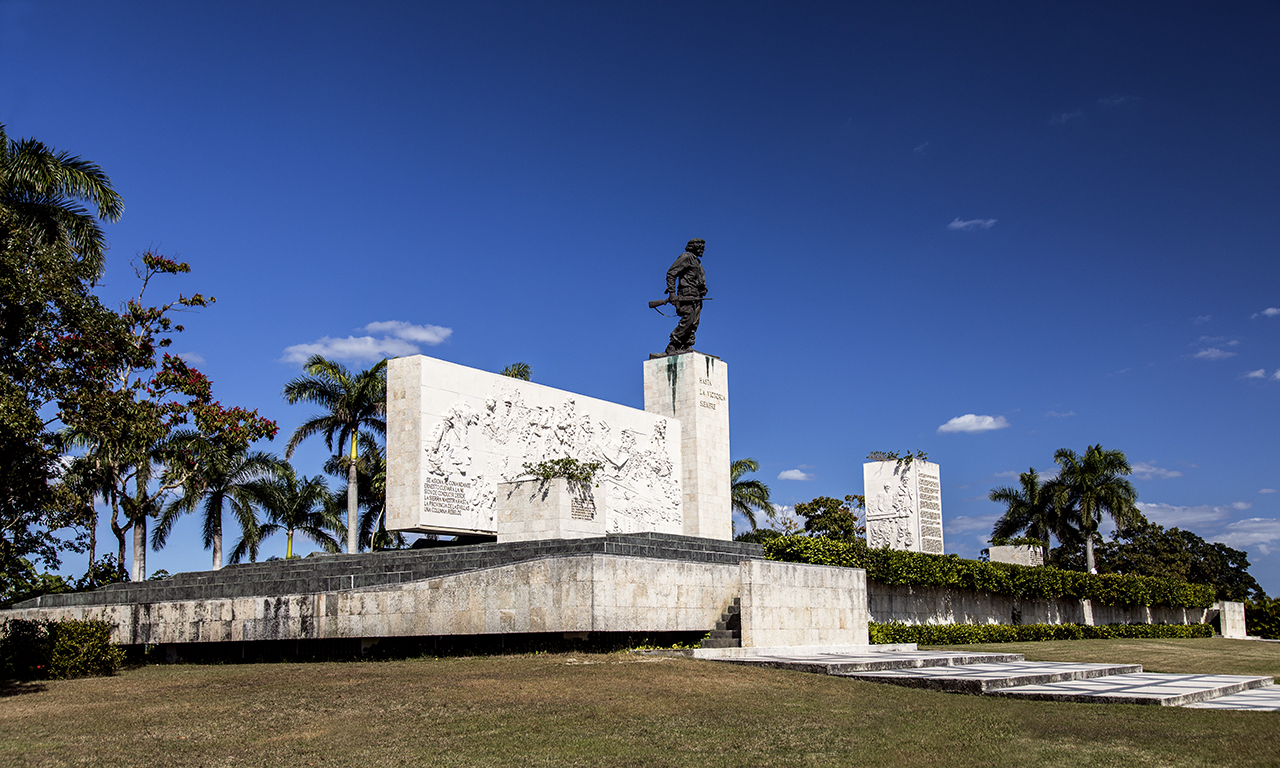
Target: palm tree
747 496
520 371
1032 509
355 403
372 493
41 192
294 505
1092 485
224 476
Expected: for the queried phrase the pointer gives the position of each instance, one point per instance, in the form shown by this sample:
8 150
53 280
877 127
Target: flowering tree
150 424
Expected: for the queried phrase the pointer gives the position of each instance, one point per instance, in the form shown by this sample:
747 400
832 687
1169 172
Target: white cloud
1268 312
794 474
1065 117
1012 473
1056 415
1259 532
1276 375
973 423
921 148
1198 319
193 358
1147 471
1117 100
1171 516
964 524
972 224
426 334
1213 353
397 339
1267 490
1261 373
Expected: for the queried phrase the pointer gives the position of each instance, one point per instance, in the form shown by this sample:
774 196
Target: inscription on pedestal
445 496
583 505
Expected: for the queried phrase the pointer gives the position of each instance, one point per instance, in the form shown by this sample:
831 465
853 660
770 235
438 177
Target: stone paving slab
1140 688
980 678
845 663
1264 699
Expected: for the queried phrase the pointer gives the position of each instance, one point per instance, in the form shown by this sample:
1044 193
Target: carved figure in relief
641 479
449 456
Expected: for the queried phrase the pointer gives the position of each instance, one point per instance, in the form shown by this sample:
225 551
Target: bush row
962 634
45 649
891 566
1262 618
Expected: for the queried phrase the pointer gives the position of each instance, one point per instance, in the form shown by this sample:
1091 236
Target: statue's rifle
655 304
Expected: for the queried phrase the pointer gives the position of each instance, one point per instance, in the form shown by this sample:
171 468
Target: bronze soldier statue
686 287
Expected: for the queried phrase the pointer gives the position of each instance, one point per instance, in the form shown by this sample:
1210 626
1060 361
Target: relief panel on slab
479 429
904 505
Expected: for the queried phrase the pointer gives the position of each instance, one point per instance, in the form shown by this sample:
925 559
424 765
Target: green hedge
43 649
891 566
1262 618
962 634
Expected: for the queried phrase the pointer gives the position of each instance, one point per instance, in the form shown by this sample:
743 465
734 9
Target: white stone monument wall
694 388
454 433
904 505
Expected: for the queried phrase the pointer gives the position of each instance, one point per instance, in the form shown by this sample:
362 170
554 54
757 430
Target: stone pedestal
694 388
531 510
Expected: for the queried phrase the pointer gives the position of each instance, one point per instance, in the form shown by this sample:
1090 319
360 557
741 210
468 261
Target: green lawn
608 710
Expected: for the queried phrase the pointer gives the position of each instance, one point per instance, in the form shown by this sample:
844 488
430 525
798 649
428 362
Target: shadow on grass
10 688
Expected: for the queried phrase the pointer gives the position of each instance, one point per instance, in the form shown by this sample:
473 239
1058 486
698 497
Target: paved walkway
1007 674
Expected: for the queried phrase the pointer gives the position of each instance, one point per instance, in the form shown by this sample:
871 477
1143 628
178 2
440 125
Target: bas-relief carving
904 506
471 450
891 511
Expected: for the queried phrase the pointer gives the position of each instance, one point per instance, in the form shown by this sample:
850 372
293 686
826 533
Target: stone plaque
904 505
454 433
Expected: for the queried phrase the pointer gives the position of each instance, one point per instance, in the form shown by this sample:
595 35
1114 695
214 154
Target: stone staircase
1011 675
728 631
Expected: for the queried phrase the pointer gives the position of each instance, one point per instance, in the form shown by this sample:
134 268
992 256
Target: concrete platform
1264 699
1009 674
1140 688
846 663
980 678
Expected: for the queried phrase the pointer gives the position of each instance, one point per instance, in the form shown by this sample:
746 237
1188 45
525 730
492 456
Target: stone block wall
788 604
911 604
532 510
1231 619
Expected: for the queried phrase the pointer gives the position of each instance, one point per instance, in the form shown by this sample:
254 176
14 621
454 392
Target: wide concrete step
980 678
847 664
1139 688
1264 699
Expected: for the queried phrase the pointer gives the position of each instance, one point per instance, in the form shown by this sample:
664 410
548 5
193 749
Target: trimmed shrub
963 634
1262 618
891 566
37 650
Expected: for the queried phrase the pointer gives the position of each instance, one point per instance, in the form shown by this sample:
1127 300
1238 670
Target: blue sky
1056 219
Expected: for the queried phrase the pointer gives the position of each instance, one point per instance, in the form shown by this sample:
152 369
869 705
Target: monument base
647 583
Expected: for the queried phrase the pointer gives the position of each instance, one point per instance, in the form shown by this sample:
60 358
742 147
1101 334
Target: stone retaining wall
946 605
782 604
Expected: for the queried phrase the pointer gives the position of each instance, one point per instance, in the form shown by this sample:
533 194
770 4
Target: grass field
615 710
